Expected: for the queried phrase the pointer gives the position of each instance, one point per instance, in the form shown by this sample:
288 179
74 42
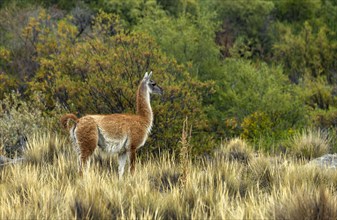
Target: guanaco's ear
147 76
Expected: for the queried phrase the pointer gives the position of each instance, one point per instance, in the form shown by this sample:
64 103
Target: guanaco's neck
143 104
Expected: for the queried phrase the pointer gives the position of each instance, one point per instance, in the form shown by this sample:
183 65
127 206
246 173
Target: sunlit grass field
245 186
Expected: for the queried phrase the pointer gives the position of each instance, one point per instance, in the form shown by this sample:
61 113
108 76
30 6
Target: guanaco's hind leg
122 158
87 139
132 160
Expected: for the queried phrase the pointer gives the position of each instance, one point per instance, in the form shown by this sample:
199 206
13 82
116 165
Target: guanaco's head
152 86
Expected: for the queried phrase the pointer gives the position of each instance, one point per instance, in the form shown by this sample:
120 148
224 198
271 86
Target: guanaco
120 134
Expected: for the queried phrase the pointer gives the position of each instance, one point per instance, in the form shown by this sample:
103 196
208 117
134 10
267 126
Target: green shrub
308 52
131 12
256 125
325 119
244 29
319 94
189 39
296 10
6 81
99 73
20 119
255 100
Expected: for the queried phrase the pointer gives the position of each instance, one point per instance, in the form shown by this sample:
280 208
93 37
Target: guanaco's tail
65 120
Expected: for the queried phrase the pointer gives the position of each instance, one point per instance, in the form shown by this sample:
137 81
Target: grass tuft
236 150
165 180
309 144
44 148
260 171
306 204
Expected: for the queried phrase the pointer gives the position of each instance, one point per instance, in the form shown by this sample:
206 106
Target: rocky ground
325 161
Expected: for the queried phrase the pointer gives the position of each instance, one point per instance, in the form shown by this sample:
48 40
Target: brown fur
65 120
133 129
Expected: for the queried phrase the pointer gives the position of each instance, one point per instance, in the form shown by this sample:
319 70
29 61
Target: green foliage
62 4
247 18
6 81
130 11
306 53
75 51
190 40
21 118
99 73
328 13
19 61
256 125
318 93
255 100
241 20
178 7
296 10
325 119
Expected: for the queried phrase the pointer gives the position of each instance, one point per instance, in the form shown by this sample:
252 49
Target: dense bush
244 22
189 39
307 53
21 119
255 101
296 10
99 72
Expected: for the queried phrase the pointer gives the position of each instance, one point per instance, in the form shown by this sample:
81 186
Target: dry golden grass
235 149
47 186
310 143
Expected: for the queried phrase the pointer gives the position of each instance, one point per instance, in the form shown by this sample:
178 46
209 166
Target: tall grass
47 185
310 143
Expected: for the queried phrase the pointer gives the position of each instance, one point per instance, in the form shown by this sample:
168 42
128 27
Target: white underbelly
115 145
112 145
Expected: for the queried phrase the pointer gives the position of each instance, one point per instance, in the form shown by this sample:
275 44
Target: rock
18 148
325 161
5 160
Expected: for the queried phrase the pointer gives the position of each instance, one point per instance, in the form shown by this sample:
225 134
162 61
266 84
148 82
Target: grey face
154 88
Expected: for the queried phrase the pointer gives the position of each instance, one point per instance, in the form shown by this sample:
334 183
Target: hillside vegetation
262 70
256 79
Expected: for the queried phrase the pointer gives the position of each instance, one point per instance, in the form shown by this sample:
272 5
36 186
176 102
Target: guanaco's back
120 134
